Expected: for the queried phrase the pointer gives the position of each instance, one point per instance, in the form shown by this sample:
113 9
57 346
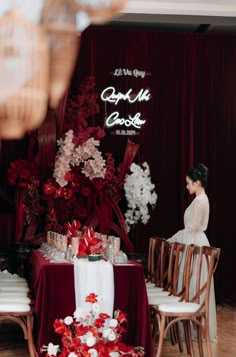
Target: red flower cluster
82 198
90 334
73 228
90 243
21 172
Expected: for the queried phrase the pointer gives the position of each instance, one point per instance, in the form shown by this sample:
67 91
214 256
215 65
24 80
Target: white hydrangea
140 194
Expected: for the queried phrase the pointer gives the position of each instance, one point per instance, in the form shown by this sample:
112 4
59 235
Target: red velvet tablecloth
53 286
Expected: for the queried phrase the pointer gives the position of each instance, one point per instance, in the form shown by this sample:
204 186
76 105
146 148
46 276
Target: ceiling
188 16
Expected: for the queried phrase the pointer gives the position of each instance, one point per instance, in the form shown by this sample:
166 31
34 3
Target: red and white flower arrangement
91 333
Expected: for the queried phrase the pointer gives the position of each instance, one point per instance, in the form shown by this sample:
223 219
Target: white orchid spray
140 194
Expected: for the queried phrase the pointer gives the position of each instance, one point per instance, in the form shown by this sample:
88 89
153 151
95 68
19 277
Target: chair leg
189 338
30 341
154 324
199 340
178 336
173 336
186 337
208 342
161 335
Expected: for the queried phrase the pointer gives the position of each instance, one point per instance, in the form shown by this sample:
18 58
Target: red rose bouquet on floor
91 333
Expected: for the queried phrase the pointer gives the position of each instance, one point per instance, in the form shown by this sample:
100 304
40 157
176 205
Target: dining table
53 290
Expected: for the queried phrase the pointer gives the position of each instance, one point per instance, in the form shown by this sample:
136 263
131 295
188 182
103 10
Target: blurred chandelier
39 44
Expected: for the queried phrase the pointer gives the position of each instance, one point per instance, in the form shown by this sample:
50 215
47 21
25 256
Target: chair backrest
155 259
162 264
185 272
176 257
150 261
199 274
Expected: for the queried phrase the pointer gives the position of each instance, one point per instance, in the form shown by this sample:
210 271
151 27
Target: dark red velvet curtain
191 117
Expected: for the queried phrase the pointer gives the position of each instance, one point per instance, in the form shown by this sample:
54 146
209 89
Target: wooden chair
156 261
170 291
16 305
195 309
171 260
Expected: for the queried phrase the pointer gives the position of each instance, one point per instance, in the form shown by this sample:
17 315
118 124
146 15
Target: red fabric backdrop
190 118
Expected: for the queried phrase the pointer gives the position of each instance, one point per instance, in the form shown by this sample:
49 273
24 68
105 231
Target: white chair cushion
14 282
21 299
158 293
157 300
6 275
13 293
13 288
154 288
179 307
149 284
14 278
14 307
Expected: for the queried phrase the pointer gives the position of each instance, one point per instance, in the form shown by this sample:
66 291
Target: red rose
49 188
104 316
59 326
69 176
68 193
120 316
99 322
59 192
91 298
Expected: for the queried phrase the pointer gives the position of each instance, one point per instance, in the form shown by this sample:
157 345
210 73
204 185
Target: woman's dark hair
199 172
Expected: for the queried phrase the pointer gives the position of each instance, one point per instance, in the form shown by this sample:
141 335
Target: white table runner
94 277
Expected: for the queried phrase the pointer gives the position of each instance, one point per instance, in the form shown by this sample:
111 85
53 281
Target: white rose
112 336
52 349
91 341
83 339
68 320
72 354
93 352
106 332
113 323
114 354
